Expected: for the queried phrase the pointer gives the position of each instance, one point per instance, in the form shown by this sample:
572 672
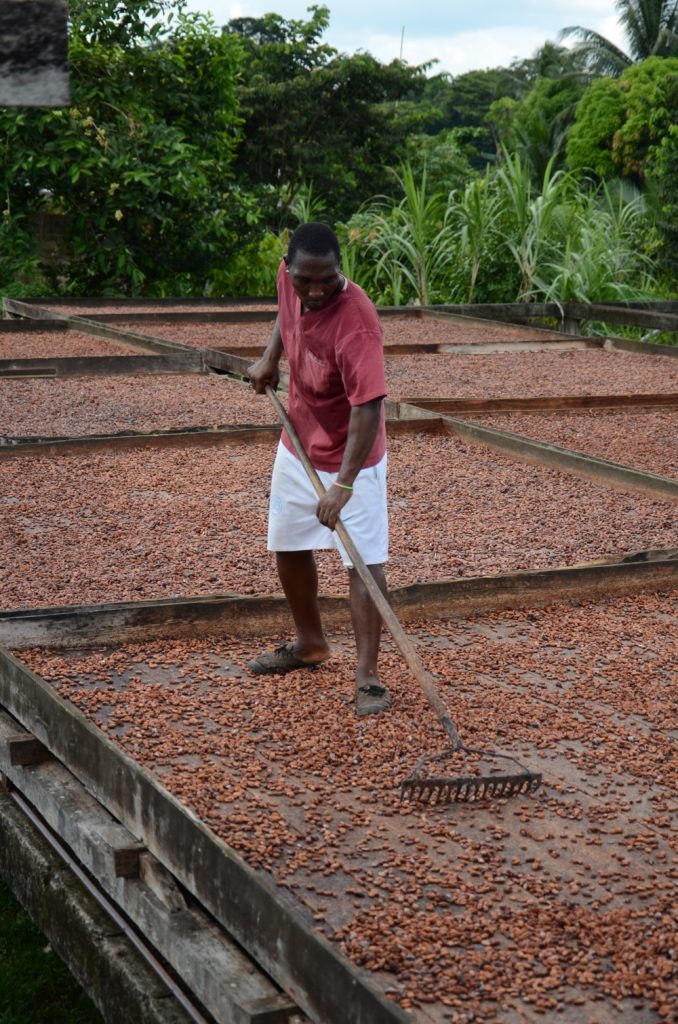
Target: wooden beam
647 348
102 366
221 977
623 315
21 326
561 403
247 615
198 437
324 983
530 450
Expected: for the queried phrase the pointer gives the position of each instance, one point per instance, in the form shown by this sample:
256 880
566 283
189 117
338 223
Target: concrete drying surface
561 903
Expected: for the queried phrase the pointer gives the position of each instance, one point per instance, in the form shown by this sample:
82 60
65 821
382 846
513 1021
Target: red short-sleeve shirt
336 359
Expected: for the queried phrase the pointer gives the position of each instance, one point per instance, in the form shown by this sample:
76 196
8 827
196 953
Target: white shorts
294 526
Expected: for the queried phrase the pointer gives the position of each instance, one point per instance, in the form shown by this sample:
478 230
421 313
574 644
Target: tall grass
500 239
407 243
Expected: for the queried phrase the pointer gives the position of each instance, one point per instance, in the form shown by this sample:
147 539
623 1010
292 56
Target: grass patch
36 987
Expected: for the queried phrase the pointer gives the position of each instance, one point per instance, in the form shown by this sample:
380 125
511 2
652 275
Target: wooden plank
528 449
102 366
223 301
205 958
84 325
198 316
246 615
21 326
647 348
31 311
199 437
547 345
498 310
107 965
304 964
459 406
654 305
81 445
623 315
135 340
228 362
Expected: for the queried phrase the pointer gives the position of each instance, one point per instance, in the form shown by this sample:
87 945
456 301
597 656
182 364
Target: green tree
463 102
537 124
135 174
651 28
662 175
619 122
541 123
315 117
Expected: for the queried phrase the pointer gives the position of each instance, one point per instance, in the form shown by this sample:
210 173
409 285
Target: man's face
315 279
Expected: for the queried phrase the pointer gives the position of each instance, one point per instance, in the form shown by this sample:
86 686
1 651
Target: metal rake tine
468 789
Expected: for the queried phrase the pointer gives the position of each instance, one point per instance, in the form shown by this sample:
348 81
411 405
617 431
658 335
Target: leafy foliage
620 121
500 239
651 27
663 180
313 116
136 169
35 985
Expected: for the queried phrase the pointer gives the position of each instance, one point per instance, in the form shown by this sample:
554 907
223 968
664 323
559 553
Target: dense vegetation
35 986
191 150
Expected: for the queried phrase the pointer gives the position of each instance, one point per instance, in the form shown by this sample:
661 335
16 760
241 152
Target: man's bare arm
265 372
362 431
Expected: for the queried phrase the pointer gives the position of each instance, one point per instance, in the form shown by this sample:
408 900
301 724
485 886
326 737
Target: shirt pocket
318 375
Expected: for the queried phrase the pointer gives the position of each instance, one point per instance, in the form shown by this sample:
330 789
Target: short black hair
313 238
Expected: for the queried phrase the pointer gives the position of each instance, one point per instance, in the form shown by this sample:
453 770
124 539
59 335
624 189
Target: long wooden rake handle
405 645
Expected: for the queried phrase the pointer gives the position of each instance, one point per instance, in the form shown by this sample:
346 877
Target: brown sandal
278 662
371 699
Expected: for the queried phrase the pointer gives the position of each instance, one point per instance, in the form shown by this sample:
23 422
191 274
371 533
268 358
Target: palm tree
651 28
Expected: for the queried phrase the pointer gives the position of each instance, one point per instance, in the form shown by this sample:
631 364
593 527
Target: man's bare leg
367 630
299 578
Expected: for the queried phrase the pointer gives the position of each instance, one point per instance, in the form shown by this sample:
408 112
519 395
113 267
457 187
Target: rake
422 787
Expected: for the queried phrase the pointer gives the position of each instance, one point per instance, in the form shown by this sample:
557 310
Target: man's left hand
331 504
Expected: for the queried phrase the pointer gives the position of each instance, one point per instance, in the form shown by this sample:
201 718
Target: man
331 335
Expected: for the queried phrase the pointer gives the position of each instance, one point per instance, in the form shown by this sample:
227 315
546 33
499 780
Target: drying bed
230 337
460 331
130 525
560 903
91 309
397 331
57 344
523 374
69 408
644 439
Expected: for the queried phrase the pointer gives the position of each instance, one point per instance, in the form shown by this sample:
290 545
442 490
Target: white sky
460 35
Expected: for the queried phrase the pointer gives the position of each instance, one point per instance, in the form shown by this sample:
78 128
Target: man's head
313 263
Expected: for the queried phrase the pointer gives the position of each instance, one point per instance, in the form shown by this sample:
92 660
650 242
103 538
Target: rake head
468 788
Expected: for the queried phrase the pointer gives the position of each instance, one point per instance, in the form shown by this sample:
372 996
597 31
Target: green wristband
345 487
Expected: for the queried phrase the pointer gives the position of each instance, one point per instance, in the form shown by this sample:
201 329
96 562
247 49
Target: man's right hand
264 373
